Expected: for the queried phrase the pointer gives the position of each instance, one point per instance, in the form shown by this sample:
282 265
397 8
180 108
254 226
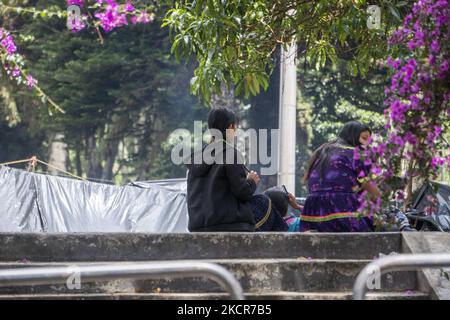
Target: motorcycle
430 210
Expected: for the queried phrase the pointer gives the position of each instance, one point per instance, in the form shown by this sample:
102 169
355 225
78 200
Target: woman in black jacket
220 190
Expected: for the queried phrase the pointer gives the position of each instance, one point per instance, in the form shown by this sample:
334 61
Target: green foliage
234 41
337 97
122 99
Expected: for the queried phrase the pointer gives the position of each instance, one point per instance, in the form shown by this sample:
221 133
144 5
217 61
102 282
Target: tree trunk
78 159
94 166
58 155
110 155
116 130
409 185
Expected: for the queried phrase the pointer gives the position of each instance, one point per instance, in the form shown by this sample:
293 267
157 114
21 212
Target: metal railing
401 262
123 270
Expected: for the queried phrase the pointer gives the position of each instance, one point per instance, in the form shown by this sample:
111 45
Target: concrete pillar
287 117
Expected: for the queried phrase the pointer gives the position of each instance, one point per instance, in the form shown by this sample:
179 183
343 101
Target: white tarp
31 202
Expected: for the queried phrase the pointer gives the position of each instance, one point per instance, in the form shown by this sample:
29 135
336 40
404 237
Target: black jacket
219 192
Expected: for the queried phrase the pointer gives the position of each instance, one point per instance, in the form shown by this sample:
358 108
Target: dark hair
220 119
349 136
279 199
351 132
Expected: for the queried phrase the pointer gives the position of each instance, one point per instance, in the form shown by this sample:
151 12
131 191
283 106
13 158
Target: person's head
355 134
279 199
223 120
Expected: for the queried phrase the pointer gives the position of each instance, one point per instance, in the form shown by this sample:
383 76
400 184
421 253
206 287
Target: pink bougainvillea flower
129 7
376 170
8 44
408 293
79 3
16 72
31 82
77 25
144 18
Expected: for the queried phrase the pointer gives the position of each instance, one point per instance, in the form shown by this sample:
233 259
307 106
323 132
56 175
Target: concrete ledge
221 296
138 246
268 265
255 275
430 280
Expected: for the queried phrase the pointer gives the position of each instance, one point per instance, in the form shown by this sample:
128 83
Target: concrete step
281 295
255 275
139 247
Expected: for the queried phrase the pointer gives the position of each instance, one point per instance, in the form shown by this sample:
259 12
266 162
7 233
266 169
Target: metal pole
287 117
123 270
401 262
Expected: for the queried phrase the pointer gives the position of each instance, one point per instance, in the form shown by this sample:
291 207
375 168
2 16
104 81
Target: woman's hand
254 176
293 202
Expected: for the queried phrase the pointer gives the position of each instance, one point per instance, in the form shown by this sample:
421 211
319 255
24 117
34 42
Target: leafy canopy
234 41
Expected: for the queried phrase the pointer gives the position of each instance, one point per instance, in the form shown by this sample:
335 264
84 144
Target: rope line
63 171
34 159
16 162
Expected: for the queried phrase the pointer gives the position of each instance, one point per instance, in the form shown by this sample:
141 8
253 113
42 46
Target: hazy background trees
124 98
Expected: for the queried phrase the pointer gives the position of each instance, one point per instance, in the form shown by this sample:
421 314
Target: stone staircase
268 266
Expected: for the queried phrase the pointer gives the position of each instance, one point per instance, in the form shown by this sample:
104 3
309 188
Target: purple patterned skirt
333 212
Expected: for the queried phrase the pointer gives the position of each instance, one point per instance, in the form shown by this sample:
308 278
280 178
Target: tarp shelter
33 202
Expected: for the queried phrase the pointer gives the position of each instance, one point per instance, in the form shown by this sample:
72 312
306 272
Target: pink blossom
434 47
397 140
8 44
399 195
16 72
129 7
376 170
444 66
77 24
411 138
31 82
144 18
437 161
79 3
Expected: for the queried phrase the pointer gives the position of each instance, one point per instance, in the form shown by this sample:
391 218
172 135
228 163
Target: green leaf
198 6
394 11
228 22
254 85
239 88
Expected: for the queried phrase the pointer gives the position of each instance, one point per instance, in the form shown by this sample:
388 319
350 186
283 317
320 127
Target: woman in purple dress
333 185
